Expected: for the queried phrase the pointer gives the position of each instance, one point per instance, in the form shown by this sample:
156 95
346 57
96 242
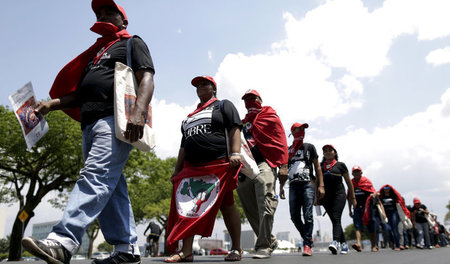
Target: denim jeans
301 197
101 192
423 233
391 228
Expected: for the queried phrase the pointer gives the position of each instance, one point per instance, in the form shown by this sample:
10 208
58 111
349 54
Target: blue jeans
423 233
391 228
101 192
301 197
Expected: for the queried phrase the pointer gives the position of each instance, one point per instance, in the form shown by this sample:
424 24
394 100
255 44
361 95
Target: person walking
303 184
266 138
334 200
420 223
364 191
85 87
206 174
389 198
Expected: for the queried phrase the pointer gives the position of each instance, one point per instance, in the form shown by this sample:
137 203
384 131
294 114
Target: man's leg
247 196
267 204
307 204
295 202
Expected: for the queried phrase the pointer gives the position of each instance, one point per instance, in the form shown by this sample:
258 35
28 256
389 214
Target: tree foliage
105 247
27 176
350 233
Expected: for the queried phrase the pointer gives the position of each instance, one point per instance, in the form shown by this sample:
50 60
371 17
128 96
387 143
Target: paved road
411 256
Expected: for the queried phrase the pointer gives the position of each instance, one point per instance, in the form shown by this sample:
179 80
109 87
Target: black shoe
48 250
119 258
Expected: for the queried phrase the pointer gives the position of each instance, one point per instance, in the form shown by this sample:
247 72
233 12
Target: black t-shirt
389 203
96 88
361 197
420 216
333 177
301 164
204 132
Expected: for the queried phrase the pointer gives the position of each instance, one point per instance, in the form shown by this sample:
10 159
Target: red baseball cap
416 200
328 145
98 4
355 168
197 79
249 92
295 125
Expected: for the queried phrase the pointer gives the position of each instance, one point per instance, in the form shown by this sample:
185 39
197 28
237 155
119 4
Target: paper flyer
33 124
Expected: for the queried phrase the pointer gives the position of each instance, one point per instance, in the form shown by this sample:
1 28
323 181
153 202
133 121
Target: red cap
416 200
195 81
295 125
98 4
248 92
328 145
355 168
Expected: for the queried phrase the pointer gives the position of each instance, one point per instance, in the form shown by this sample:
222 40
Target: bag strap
129 50
226 131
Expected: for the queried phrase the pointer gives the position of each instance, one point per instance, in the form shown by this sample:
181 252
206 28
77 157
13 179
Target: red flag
196 199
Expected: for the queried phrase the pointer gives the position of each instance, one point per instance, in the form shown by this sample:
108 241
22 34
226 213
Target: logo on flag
195 195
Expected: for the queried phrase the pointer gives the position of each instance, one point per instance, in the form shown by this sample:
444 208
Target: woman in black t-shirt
335 195
203 145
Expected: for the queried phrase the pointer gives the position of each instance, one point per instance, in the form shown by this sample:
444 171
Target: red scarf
268 132
297 144
328 166
195 204
68 78
364 184
201 106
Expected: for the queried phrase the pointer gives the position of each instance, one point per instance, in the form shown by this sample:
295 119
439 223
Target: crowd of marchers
219 152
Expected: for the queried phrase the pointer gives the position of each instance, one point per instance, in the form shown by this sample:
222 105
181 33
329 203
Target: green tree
53 164
350 233
105 247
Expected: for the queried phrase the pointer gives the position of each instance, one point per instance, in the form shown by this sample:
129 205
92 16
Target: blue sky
370 77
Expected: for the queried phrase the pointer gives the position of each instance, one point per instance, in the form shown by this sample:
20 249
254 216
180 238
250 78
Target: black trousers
334 204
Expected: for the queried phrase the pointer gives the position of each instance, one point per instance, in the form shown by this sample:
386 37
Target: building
248 240
2 222
41 231
284 236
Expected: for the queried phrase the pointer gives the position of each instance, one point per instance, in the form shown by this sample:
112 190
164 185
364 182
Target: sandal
234 255
356 247
181 258
375 249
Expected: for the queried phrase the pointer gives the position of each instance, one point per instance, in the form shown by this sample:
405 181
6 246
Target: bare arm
351 197
136 122
320 186
235 146
67 101
180 163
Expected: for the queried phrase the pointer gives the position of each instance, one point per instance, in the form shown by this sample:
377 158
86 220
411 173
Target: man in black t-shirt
84 88
420 223
302 184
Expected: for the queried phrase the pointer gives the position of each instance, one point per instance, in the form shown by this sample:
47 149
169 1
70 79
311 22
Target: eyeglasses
387 188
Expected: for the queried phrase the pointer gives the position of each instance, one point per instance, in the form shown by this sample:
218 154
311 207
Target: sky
369 77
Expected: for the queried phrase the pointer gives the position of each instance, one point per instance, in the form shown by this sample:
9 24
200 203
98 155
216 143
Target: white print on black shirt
298 170
199 123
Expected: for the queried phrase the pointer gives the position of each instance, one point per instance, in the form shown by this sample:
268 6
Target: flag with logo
196 199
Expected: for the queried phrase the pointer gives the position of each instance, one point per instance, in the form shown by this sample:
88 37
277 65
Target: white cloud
439 56
167 119
210 55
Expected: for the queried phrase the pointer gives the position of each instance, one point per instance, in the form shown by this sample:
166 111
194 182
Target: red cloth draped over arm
68 78
268 132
